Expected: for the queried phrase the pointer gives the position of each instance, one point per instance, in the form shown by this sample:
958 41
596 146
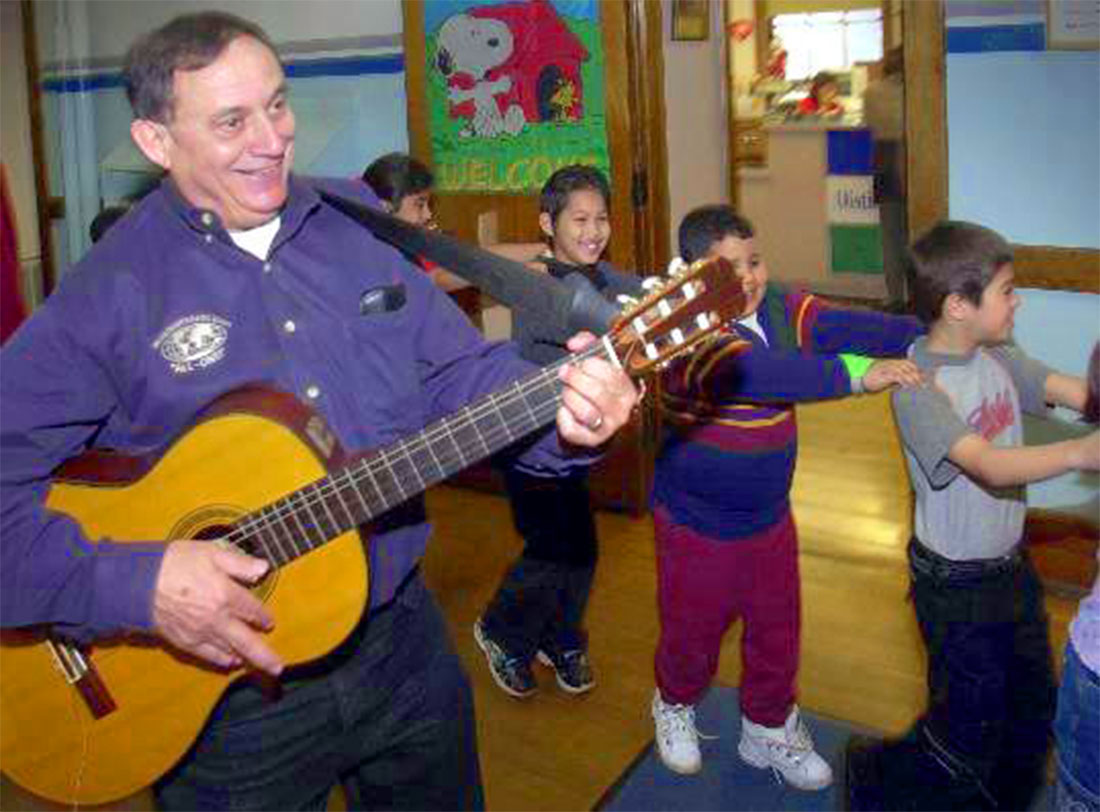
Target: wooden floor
861 654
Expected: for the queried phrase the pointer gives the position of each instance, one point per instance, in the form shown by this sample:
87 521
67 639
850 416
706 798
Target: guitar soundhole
217 522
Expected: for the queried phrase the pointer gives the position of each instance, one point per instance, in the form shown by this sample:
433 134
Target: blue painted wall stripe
345 66
297 69
980 39
83 84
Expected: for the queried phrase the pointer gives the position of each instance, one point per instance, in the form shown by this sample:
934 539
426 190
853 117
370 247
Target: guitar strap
566 310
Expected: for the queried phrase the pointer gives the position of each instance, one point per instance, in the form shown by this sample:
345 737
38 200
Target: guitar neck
319 512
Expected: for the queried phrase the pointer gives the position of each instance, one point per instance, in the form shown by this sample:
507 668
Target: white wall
283 20
1024 144
695 112
1060 328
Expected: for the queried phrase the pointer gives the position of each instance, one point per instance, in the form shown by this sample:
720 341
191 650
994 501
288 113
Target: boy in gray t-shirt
983 741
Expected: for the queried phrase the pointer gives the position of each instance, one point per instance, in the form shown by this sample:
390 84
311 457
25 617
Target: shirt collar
301 200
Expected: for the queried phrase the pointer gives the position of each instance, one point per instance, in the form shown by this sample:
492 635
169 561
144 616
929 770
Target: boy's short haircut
705 226
395 176
953 257
573 178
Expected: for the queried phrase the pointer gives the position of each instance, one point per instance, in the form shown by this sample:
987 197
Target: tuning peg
652 283
626 301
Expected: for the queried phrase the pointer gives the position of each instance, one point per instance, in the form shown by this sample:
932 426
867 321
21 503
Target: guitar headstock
679 313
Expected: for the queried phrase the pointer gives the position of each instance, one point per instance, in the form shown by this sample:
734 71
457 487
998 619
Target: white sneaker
788 750
677 738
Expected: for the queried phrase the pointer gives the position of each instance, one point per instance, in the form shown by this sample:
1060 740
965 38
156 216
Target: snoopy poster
515 90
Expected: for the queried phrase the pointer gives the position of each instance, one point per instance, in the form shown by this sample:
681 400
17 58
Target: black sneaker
571 667
512 674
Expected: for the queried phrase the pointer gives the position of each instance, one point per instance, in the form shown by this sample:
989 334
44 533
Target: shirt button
289 326
267 267
209 238
313 392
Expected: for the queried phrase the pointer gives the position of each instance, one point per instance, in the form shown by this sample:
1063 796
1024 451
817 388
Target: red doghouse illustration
510 64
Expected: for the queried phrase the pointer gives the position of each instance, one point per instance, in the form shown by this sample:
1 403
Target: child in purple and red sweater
725 538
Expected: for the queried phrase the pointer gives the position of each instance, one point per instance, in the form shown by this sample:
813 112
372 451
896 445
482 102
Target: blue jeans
389 715
1077 737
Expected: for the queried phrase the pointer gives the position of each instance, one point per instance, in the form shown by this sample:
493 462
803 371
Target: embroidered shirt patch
193 342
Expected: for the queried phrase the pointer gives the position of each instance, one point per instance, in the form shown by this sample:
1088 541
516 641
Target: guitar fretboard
319 512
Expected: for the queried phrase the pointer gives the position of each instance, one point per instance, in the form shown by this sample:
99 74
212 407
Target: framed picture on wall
690 19
1073 24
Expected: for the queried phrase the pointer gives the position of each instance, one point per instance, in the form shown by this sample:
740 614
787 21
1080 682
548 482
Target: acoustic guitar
260 471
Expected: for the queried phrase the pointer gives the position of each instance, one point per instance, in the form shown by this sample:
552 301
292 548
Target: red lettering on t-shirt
993 416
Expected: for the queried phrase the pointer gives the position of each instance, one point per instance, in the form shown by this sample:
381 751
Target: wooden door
630 31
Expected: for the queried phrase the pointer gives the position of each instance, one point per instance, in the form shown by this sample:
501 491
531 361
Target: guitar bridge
79 672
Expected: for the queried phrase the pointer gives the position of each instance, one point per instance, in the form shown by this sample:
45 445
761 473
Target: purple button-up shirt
164 315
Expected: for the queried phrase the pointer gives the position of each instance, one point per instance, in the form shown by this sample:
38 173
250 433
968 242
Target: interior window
828 40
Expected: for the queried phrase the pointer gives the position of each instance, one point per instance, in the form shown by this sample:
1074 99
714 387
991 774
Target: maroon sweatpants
703 586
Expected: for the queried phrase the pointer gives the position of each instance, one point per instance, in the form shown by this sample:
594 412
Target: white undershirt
753 323
257 241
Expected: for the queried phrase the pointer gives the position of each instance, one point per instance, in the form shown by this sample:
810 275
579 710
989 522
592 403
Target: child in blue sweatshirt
725 538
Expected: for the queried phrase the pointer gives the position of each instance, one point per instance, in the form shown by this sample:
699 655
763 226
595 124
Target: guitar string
386 463
493 404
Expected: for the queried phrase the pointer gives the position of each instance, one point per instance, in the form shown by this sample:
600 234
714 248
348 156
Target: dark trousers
543 595
389 715
984 740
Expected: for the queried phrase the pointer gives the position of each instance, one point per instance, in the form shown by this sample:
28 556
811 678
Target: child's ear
546 224
956 307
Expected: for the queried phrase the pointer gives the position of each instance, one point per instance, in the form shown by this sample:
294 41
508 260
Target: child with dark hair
983 741
539 606
404 185
725 538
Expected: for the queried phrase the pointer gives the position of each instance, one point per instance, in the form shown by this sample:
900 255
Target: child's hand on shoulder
887 372
1086 454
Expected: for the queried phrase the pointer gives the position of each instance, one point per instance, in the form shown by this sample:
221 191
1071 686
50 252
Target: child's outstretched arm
1001 467
731 369
828 329
1066 390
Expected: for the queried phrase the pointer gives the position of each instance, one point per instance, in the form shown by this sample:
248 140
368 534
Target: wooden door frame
1036 266
649 150
45 207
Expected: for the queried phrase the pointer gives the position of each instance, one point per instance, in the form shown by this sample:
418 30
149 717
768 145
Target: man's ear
152 139
546 224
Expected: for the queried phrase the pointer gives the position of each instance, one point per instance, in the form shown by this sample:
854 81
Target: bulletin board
1073 24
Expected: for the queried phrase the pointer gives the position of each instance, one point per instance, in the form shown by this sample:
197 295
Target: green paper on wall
856 249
